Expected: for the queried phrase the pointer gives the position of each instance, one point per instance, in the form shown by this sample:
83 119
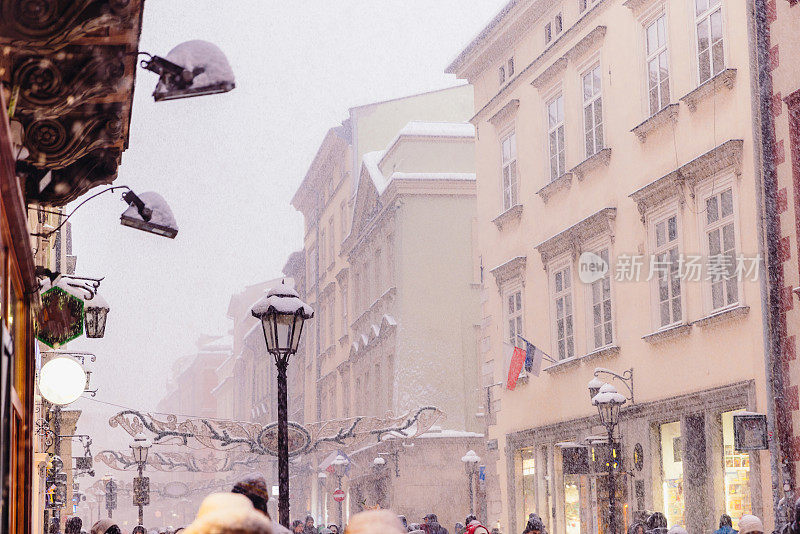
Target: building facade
622 130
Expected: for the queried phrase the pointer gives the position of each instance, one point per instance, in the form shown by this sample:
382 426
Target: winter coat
374 522
434 527
476 528
726 530
658 530
223 513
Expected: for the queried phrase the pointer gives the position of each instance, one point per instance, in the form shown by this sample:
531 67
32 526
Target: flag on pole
533 357
515 357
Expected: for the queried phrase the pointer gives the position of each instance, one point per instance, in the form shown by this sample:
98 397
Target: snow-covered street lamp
193 68
340 464
140 446
282 316
471 461
609 401
95 313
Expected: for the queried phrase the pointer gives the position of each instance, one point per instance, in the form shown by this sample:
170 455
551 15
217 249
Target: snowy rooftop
437 129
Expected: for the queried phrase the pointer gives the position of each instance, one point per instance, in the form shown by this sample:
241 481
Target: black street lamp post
140 447
282 315
609 401
340 464
471 461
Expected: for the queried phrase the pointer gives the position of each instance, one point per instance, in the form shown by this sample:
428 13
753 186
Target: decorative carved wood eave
70 65
668 113
513 269
505 114
592 40
656 192
598 223
726 78
550 72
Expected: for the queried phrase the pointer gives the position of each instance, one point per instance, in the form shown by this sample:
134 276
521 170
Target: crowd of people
244 511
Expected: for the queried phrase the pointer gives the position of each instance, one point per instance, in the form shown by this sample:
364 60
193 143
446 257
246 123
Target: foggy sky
229 164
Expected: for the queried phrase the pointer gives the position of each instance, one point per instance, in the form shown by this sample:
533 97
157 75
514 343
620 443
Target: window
322 252
721 241
562 297
555 130
665 270
331 321
548 33
710 46
514 316
592 111
509 151
583 5
657 64
343 299
558 24
510 67
602 324
502 74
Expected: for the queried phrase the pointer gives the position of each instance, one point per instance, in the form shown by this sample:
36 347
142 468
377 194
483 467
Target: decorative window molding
570 239
513 269
505 113
657 192
596 160
557 67
667 114
726 78
638 5
671 332
722 315
590 42
508 217
341 276
562 182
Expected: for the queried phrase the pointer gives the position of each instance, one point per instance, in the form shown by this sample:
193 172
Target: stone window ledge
727 78
563 365
669 113
562 182
669 332
724 315
509 216
601 157
609 350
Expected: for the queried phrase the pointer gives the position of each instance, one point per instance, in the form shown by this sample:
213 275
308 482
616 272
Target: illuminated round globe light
62 380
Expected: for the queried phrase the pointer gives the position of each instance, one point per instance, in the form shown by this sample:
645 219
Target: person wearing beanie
73 525
229 513
254 487
750 524
105 526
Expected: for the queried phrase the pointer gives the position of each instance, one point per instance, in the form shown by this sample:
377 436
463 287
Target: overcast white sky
229 164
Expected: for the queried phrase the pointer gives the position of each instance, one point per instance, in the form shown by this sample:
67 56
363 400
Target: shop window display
672 473
737 474
572 504
528 481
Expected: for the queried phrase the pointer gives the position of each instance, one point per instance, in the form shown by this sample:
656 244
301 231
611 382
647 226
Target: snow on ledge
469 176
437 129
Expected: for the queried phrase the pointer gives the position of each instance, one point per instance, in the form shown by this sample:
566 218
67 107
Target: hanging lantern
95 314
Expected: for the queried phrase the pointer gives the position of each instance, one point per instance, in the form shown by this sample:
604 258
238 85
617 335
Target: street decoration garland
171 490
224 435
180 461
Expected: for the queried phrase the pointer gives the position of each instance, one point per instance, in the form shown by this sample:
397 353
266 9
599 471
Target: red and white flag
514 358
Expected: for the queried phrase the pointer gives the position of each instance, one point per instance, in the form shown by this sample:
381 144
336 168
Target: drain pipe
779 416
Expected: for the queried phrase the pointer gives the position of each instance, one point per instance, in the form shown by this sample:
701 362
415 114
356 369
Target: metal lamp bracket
626 378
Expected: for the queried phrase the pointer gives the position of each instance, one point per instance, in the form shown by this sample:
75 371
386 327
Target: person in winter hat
298 526
657 523
254 487
750 524
333 528
474 526
432 525
535 525
374 522
105 526
73 525
229 513
459 528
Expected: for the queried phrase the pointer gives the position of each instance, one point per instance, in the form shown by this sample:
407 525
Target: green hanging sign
60 318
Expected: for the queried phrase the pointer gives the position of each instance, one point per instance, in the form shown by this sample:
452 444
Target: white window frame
596 246
656 55
548 32
501 73
654 218
592 102
710 187
514 291
585 5
555 267
705 19
561 156
510 67
513 187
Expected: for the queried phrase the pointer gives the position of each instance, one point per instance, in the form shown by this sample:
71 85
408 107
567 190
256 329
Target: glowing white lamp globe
62 380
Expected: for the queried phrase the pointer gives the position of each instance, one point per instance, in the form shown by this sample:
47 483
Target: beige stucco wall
709 356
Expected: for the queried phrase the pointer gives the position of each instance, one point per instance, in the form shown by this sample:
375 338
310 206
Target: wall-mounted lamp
193 68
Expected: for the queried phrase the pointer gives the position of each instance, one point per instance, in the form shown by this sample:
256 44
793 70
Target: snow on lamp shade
95 314
608 402
62 380
161 222
282 315
206 72
140 446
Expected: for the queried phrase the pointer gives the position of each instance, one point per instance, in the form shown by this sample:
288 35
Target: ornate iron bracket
626 378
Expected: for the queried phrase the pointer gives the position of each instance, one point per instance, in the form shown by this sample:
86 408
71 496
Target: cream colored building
622 128
387 194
